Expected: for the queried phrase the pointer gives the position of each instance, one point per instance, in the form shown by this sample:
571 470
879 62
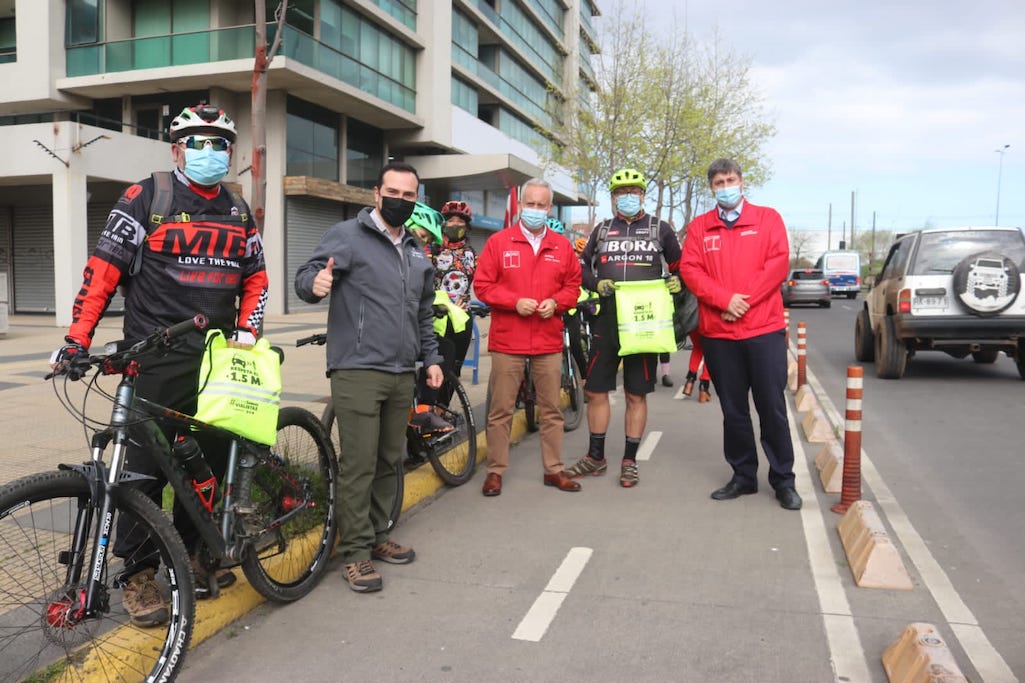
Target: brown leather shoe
492 485
562 481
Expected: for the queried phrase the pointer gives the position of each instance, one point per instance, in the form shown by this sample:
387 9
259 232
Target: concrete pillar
70 238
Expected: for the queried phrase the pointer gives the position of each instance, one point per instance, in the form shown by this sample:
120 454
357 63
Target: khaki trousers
503 386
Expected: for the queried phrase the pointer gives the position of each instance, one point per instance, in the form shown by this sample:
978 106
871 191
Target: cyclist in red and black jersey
201 254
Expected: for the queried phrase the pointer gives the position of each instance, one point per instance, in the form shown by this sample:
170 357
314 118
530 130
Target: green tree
258 90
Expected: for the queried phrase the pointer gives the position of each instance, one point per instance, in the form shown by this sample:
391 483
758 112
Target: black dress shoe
788 498
733 490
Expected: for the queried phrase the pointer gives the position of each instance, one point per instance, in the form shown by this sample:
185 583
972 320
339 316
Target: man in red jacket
734 259
529 276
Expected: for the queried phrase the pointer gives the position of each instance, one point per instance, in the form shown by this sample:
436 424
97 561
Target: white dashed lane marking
540 615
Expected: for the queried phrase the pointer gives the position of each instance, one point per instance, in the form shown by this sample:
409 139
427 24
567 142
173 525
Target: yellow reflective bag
644 316
240 387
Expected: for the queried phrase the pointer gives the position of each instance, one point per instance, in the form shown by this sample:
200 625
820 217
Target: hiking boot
143 601
667 381
628 476
688 386
393 553
225 578
587 465
362 577
426 422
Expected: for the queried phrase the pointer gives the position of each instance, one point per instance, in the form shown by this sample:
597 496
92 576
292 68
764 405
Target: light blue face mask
205 166
728 197
533 218
628 204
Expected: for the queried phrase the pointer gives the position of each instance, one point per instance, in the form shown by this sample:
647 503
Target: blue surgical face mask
533 218
728 197
205 166
628 204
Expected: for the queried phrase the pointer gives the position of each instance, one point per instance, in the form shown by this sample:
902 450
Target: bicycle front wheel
453 455
572 393
45 633
293 493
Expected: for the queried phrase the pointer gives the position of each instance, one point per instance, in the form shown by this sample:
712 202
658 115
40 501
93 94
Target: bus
843 270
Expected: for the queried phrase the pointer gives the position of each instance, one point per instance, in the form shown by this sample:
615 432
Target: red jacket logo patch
510 259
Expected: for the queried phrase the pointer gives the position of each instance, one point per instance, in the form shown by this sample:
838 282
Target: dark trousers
755 366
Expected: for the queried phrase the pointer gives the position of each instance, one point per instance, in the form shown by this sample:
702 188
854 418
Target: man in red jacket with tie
734 259
529 276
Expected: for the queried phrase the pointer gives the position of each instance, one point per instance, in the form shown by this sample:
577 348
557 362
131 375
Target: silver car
806 286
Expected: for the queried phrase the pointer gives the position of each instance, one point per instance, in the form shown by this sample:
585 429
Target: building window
311 140
8 40
364 153
188 20
83 22
464 96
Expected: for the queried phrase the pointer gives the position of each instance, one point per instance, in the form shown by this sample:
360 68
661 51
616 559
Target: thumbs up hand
324 279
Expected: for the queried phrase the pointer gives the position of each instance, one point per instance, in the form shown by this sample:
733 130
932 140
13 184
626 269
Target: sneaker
628 477
362 577
587 465
143 601
225 578
427 422
393 553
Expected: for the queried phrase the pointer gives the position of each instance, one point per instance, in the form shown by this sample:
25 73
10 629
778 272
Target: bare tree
258 89
799 241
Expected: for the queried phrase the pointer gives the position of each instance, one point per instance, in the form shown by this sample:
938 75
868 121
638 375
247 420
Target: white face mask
533 218
728 197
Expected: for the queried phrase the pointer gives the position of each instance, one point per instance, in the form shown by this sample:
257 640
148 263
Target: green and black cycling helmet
555 225
426 218
202 119
627 177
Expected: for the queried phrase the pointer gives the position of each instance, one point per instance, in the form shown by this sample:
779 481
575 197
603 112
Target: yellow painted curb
919 655
829 462
874 560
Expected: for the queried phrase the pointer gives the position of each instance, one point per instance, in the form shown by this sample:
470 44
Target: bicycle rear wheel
530 404
294 495
44 634
453 455
573 393
327 419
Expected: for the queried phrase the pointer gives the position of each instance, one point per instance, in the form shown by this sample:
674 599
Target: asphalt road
946 440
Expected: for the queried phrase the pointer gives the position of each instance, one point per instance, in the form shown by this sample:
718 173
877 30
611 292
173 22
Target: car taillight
825 282
857 280
904 301
791 283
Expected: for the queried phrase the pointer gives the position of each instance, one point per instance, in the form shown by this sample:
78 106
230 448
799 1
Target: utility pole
872 254
843 235
1000 172
852 220
829 228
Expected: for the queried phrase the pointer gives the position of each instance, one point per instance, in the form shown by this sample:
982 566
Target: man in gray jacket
380 322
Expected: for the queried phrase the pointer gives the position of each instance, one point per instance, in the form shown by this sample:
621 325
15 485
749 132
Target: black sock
596 446
630 451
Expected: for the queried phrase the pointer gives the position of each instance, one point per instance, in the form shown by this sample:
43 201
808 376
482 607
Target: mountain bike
61 615
452 454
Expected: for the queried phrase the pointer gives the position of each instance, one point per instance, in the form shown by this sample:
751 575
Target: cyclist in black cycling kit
631 246
201 254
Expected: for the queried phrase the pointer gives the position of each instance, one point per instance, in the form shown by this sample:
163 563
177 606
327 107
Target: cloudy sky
904 102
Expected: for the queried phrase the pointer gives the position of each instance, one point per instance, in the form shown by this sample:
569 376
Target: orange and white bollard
850 489
786 322
802 355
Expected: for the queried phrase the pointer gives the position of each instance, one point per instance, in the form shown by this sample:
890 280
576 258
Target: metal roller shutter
32 276
306 221
96 218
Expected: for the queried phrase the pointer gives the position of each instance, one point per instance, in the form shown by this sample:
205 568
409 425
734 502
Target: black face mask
454 232
396 211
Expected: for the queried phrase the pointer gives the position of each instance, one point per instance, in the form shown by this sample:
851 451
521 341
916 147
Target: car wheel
852 295
1019 358
986 283
891 352
825 304
864 344
985 356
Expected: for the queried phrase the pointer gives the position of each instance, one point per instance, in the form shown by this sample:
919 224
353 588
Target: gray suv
954 290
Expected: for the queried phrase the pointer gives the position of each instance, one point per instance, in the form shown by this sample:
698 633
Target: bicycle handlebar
318 339
479 309
76 366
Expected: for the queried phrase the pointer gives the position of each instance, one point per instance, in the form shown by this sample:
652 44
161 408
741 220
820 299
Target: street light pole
1000 172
